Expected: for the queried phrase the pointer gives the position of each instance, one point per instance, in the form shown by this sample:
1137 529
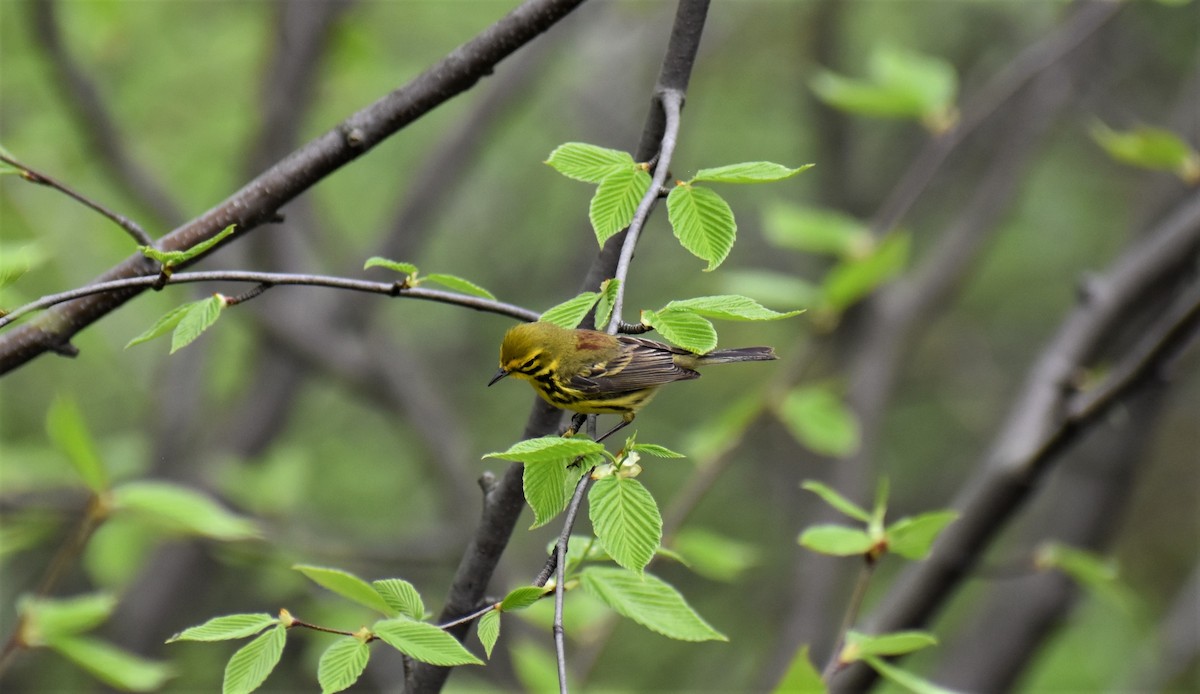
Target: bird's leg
624 423
577 421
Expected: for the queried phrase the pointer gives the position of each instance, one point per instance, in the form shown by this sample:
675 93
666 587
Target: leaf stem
851 616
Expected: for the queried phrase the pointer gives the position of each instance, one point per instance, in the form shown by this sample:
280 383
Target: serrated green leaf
407 269
69 433
657 451
570 312
686 329
346 585
896 643
836 540
401 596
163 325
715 556
616 200
522 597
111 665
175 258
459 284
728 307
815 230
184 510
199 317
424 642
774 288
837 501
912 538
232 626
588 163
547 449
47 618
853 279
1150 148
703 223
626 520
749 172
903 678
342 664
546 490
649 601
608 296
1096 574
488 630
801 677
820 421
252 663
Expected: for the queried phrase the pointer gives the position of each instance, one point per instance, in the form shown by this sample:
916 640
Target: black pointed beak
499 375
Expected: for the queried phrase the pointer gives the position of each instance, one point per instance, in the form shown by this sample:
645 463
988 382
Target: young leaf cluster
413 279
900 84
700 218
910 537
172 259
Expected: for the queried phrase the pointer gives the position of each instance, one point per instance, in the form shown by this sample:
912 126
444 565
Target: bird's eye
528 364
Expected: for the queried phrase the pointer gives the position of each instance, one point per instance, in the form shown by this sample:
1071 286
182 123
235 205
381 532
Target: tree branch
260 200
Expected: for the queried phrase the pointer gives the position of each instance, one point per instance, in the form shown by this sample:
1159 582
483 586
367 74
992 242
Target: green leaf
406 269
1097 575
522 597
47 618
649 601
903 84
175 258
199 317
656 450
232 626
903 678
111 665
775 288
18 259
250 665
851 280
715 556
616 201
69 433
728 307
547 490
547 449
749 172
342 664
1150 148
836 540
837 501
912 538
570 312
801 677
163 325
459 284
401 596
183 510
346 585
814 230
686 329
626 520
703 223
820 421
608 296
588 163
489 631
896 643
424 642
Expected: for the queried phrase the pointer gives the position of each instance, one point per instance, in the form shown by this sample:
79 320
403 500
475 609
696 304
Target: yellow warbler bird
591 372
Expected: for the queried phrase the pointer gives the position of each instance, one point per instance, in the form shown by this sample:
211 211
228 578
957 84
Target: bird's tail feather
725 356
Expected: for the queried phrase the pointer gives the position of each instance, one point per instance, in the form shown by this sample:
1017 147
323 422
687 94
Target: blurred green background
340 474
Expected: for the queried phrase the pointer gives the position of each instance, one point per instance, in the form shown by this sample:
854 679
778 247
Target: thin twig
279 278
470 617
852 609
671 101
131 227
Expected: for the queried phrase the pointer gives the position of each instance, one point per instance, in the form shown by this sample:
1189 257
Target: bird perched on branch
591 372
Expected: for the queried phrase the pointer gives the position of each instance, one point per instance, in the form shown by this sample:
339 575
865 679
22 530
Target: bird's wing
639 364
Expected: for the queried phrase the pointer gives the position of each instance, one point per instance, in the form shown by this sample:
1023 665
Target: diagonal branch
259 200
